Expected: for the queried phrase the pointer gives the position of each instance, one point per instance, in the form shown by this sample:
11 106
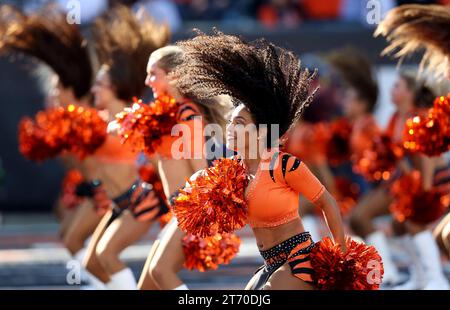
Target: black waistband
284 249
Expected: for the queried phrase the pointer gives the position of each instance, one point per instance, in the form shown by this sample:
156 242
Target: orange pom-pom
210 252
430 134
379 162
425 135
32 142
338 147
144 125
72 179
360 268
411 202
87 130
214 202
74 129
441 111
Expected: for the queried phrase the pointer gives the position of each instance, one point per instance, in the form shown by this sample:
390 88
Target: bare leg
442 235
120 234
373 204
146 281
168 259
83 224
66 217
91 262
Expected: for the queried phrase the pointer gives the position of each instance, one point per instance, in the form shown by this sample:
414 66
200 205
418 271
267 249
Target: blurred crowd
268 13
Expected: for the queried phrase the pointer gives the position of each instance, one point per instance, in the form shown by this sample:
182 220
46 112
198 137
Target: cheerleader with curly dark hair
409 28
268 87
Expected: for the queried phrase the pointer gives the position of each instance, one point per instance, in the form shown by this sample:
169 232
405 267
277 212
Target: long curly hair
356 71
267 79
412 27
48 37
124 41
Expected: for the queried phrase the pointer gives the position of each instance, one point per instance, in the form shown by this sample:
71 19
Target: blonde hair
167 57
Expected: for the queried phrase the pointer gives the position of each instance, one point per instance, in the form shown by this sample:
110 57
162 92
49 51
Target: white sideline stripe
55 253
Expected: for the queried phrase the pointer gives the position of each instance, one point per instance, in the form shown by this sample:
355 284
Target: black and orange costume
269 87
273 199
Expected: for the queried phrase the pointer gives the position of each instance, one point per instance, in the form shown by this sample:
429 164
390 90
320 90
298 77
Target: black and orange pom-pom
360 268
214 202
412 203
208 253
144 125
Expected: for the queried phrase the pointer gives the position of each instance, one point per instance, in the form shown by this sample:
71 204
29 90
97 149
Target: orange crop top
273 195
187 112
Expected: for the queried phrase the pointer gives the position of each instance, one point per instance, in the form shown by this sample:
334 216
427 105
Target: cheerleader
359 97
359 102
408 28
65 61
268 87
409 96
166 257
47 37
120 78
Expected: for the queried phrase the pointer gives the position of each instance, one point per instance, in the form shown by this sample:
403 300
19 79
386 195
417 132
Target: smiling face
157 79
242 134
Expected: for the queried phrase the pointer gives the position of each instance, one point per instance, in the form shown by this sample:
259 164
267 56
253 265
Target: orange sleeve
297 176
